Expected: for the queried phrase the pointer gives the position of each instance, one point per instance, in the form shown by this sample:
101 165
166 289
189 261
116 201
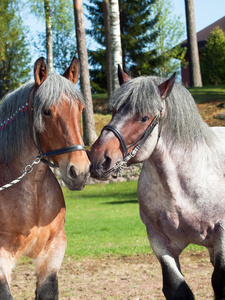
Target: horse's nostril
72 172
107 163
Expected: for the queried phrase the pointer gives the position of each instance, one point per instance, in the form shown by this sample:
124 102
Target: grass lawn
208 93
103 220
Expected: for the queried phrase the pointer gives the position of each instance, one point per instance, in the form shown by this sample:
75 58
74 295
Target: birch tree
194 65
115 40
137 35
88 117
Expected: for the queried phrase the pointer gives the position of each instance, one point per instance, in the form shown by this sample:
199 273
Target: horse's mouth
99 174
76 184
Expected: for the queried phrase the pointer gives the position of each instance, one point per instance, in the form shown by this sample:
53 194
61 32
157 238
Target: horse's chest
174 217
176 222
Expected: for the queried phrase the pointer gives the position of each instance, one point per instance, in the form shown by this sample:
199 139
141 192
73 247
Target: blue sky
206 13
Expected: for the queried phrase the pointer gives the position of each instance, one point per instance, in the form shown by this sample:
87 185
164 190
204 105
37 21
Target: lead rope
28 170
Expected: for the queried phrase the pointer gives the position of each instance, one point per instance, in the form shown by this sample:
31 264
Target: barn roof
204 33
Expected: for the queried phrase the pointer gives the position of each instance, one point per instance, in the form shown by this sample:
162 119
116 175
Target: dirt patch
209 110
136 278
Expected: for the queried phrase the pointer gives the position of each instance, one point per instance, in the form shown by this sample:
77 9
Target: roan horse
40 120
181 187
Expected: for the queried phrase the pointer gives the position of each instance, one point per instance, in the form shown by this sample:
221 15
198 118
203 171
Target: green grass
100 121
103 220
208 93
104 97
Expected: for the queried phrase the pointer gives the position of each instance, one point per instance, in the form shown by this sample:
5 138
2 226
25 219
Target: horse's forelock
51 92
141 93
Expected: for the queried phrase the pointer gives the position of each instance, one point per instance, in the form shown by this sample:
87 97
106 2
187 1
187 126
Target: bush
213 60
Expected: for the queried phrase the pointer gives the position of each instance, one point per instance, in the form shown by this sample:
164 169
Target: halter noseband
63 150
142 138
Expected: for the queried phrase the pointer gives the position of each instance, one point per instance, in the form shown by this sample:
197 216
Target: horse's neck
25 160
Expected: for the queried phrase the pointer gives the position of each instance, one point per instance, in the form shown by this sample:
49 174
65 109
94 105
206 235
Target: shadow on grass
121 202
114 195
208 93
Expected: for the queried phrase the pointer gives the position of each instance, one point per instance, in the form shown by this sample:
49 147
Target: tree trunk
115 40
48 36
106 15
194 65
88 116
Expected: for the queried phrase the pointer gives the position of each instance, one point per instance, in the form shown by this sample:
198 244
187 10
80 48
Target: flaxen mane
182 122
14 115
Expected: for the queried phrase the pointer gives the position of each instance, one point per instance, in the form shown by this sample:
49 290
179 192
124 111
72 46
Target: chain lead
28 170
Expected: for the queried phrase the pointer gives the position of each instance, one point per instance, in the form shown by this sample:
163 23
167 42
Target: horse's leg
218 277
174 285
211 255
5 270
48 288
48 264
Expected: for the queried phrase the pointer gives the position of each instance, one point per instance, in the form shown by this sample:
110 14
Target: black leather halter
44 155
138 143
142 138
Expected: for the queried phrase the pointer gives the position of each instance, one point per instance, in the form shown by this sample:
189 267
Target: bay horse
39 121
181 187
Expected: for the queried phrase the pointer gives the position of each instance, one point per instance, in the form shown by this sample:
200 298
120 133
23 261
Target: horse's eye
144 119
47 112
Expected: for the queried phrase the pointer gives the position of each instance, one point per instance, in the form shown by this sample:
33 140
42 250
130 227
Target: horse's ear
40 71
165 88
73 71
122 76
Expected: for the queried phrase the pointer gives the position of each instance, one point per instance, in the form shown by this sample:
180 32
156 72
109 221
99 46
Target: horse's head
57 122
132 133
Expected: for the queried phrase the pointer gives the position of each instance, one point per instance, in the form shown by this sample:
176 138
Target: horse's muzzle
74 178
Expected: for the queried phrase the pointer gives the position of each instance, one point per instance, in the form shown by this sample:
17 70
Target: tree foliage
213 58
167 45
148 36
14 51
62 22
136 35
